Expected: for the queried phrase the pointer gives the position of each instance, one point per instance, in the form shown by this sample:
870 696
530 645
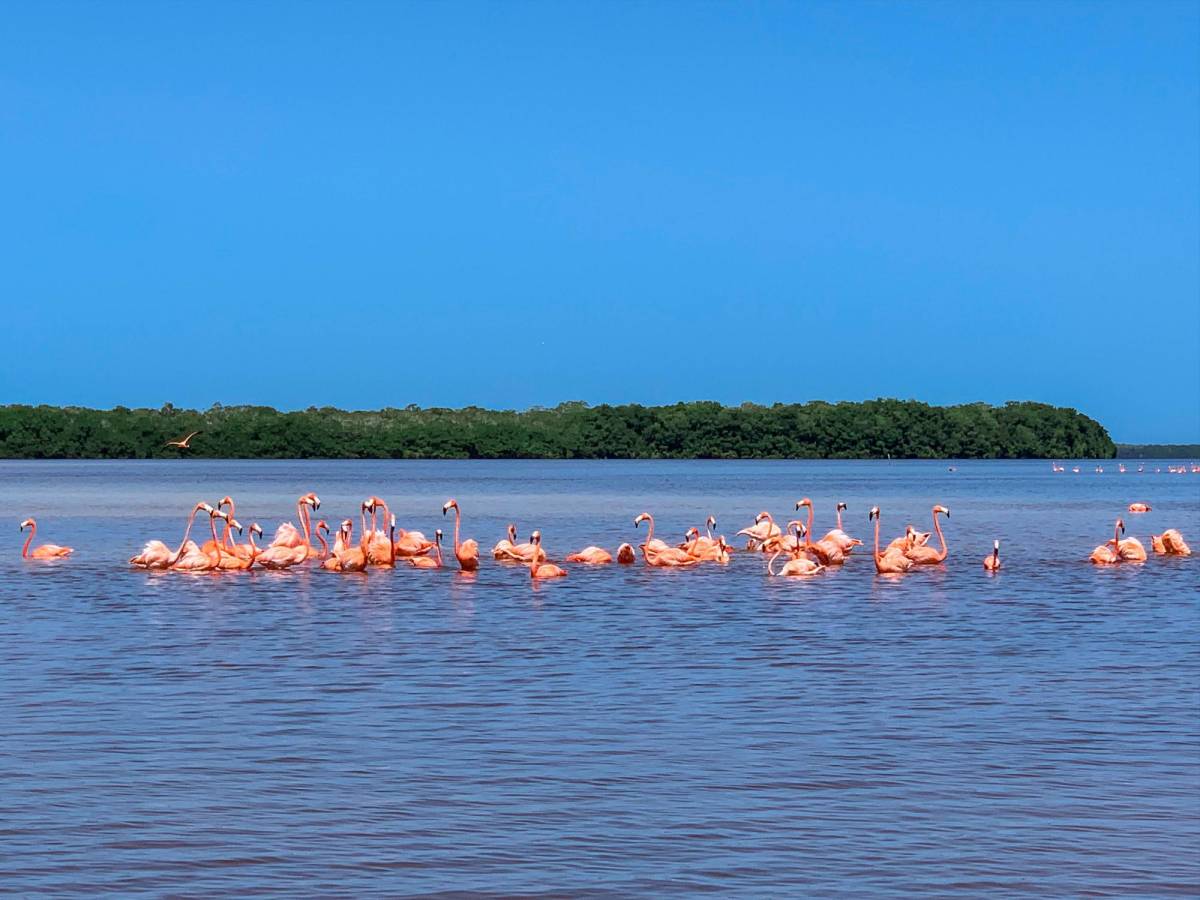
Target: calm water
619 732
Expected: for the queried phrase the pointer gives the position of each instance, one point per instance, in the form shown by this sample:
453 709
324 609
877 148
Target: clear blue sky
508 204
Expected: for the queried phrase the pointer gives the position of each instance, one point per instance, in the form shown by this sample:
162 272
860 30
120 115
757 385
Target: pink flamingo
409 543
827 552
1171 543
500 550
763 529
927 556
44 551
591 556
1130 549
839 537
1139 508
286 535
466 552
799 566
425 562
542 569
893 562
1106 555
194 559
352 559
668 557
157 555
991 562
626 555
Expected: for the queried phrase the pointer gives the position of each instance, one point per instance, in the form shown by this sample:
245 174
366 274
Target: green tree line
702 430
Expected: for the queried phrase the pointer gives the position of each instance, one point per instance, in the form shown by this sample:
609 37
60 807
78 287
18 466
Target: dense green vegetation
875 429
1158 451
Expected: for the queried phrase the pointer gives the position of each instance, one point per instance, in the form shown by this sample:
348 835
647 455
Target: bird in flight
182 445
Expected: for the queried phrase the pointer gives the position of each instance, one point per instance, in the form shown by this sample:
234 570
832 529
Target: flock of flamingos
803 557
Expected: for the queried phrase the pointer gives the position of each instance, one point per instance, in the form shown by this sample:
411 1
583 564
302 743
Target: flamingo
722 557
764 528
843 540
352 559
500 551
626 555
798 566
591 556
409 543
185 444
241 556
426 562
522 553
194 559
1130 549
466 552
539 569
44 551
380 549
927 556
667 557
226 542
1139 508
991 562
1172 543
286 535
157 555
698 544
893 562
1106 555
828 552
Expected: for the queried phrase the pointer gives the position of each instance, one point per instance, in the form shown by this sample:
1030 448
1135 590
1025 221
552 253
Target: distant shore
1158 451
873 429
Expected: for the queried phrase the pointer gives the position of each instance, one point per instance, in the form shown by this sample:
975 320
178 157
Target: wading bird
45 551
893 562
466 552
185 444
991 562
542 569
927 556
426 562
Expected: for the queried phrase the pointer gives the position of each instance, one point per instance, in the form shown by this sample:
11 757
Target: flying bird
184 444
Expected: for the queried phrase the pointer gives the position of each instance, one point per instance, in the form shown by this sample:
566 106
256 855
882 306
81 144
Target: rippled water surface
623 731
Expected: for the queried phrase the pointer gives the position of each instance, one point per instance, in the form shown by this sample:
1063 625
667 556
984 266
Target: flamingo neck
771 562
457 520
212 526
302 512
187 533
391 541
28 541
321 538
808 528
878 555
227 536
941 537
438 545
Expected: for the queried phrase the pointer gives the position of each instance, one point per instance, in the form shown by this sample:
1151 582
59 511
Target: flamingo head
321 526
642 517
841 506
28 523
691 532
941 509
392 522
1121 525
437 536
762 516
996 546
721 543
535 538
804 502
449 505
873 514
255 528
205 507
711 521
234 523
512 533
311 499
367 506
225 501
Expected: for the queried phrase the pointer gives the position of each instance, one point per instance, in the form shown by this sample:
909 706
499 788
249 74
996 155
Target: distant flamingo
466 552
1106 555
991 562
157 555
893 562
626 555
591 556
927 556
542 569
426 562
185 444
1139 508
667 557
45 551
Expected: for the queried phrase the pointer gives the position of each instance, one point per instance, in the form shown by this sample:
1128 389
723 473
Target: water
619 732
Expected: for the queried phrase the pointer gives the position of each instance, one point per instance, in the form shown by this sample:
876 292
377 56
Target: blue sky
509 204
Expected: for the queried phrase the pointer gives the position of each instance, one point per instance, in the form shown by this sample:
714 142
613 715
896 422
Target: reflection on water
621 730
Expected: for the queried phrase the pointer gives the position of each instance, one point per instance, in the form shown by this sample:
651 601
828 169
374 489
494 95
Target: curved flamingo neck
391 541
187 533
808 527
771 562
512 534
533 560
941 537
28 541
457 521
321 538
302 512
839 518
254 551
438 545
878 556
212 526
227 535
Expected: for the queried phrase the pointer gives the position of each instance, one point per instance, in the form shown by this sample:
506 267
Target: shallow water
622 731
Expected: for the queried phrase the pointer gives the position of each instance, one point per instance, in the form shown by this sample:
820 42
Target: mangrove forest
874 429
